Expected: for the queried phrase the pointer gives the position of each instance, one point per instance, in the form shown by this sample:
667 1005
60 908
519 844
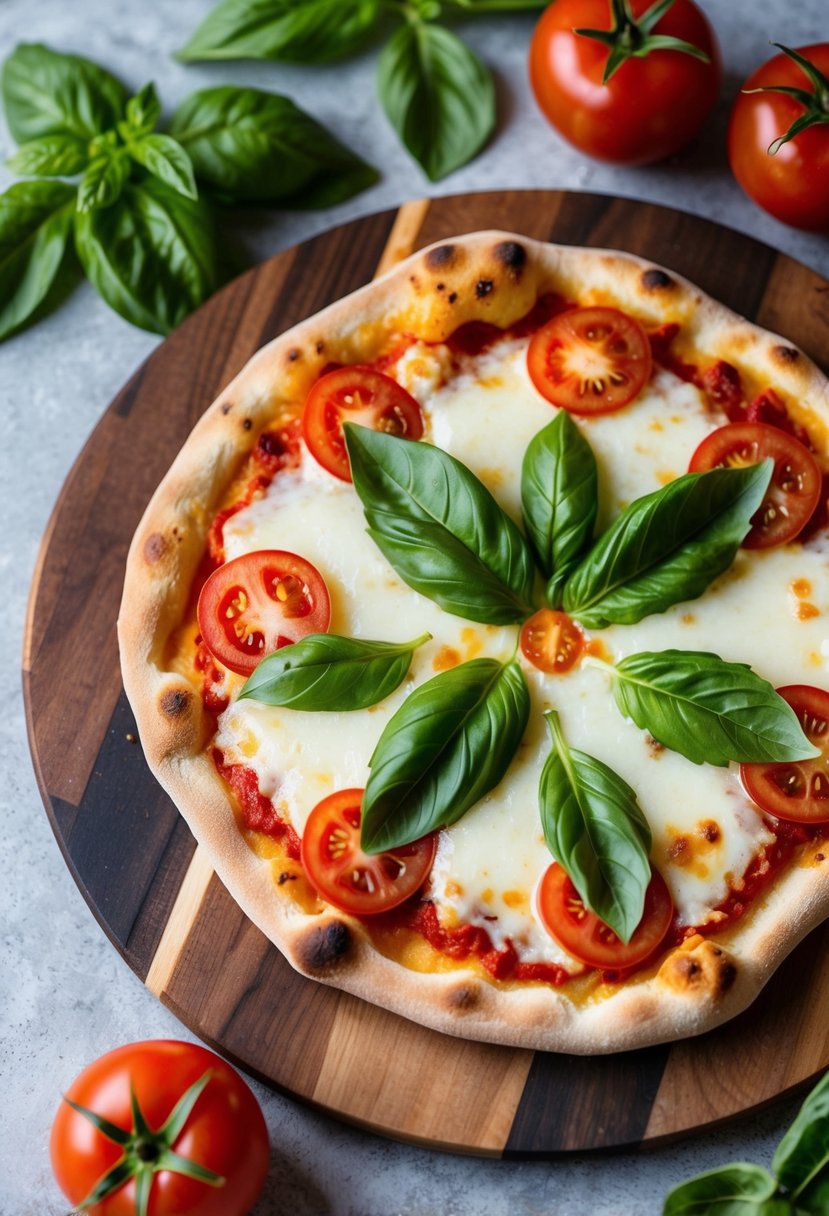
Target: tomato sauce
258 812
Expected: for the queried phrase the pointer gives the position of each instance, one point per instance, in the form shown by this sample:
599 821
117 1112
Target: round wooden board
134 859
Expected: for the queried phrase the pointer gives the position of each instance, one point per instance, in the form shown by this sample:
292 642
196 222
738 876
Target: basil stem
449 744
708 710
667 546
596 831
440 528
325 672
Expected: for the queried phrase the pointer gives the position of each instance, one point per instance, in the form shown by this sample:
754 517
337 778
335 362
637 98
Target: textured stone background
65 995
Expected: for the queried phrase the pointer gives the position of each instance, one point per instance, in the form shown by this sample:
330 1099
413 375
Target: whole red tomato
222 1141
791 182
652 104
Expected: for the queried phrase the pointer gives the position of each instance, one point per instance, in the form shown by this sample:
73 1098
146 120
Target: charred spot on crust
706 967
227 406
452 297
483 288
511 255
440 287
323 945
320 346
247 424
786 354
656 280
293 354
175 702
155 546
463 997
439 257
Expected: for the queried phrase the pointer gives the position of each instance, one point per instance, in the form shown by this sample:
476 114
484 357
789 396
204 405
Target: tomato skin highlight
226 1131
792 185
359 883
650 108
551 641
795 487
259 602
581 933
355 394
796 791
590 360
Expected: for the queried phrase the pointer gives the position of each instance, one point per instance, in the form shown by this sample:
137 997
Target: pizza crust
494 277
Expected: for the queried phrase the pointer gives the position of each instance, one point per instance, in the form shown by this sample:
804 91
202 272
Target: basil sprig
144 236
436 92
331 673
440 528
798 1186
449 744
667 546
708 710
559 498
596 831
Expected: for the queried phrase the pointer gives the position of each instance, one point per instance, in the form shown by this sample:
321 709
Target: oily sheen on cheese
705 830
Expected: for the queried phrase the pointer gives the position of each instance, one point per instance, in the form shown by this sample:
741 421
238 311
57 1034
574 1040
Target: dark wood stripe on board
578 1102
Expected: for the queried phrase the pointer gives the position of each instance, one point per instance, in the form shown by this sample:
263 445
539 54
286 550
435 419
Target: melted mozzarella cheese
705 830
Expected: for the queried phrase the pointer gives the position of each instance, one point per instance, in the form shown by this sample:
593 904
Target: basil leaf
152 258
449 744
166 160
143 112
596 831
667 546
814 1199
35 223
45 93
560 498
708 710
295 31
804 1150
257 147
103 182
326 672
440 528
50 156
494 6
437 95
733 1190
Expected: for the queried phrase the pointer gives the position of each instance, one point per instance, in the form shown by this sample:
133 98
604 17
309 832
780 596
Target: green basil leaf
560 498
708 710
143 111
50 156
103 182
440 528
813 1200
152 257
35 223
45 93
733 1190
162 156
437 95
257 147
803 1153
449 744
666 547
295 31
494 6
326 672
596 831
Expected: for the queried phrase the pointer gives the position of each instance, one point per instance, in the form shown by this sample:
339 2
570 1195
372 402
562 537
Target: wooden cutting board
134 859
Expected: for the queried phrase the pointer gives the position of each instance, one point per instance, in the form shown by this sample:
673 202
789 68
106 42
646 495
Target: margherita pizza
479 633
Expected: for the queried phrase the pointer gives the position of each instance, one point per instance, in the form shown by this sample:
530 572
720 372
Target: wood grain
136 863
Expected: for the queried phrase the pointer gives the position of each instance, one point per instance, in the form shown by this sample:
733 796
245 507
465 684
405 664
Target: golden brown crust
494 277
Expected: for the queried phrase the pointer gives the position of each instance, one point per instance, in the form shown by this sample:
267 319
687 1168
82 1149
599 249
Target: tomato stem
815 103
630 37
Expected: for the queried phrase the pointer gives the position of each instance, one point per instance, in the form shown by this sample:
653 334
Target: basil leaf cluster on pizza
479 633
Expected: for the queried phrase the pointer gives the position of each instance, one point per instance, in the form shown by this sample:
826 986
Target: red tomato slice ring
794 490
581 933
797 790
259 602
355 394
551 641
359 883
590 360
